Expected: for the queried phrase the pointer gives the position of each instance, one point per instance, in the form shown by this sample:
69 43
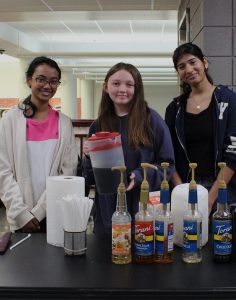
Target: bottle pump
121 225
192 227
164 224
144 233
222 223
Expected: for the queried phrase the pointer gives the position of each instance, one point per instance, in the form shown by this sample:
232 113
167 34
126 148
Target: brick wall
213 28
7 103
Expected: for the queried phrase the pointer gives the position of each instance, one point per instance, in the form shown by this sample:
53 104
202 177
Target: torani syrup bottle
164 228
121 225
144 233
222 224
233 213
192 225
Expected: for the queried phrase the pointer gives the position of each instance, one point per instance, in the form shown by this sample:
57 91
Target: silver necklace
205 101
198 106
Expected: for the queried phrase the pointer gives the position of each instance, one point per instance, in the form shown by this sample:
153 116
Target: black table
37 270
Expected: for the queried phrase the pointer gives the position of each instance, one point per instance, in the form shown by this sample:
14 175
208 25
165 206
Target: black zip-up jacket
224 118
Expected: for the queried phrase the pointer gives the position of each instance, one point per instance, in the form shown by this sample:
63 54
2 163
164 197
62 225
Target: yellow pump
122 169
221 182
164 183
144 232
144 194
193 184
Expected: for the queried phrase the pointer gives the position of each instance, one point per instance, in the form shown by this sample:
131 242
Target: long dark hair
189 48
139 127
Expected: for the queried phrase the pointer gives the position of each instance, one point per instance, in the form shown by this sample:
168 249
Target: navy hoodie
161 151
224 118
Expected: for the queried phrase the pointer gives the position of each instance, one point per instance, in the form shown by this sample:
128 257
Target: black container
107 181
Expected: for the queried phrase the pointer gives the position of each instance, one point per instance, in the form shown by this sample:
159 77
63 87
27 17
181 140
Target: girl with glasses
36 141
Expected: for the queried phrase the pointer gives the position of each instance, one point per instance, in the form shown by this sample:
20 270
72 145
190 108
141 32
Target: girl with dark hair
202 124
145 138
36 141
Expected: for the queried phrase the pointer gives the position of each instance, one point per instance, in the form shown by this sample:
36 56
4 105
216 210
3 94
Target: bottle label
170 237
160 237
192 233
144 240
121 239
222 237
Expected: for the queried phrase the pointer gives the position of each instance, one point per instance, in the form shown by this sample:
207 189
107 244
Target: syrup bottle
222 224
144 233
233 213
164 242
192 227
121 225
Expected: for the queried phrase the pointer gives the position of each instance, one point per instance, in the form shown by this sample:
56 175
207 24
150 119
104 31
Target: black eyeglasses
42 81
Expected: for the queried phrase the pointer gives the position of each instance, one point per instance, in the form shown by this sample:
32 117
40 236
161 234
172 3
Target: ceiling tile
76 30
115 27
126 4
166 4
22 6
73 5
147 26
83 27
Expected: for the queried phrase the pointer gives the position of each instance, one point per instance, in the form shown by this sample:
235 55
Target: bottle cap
103 135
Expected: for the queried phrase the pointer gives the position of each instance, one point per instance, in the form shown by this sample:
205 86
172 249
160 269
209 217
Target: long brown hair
139 125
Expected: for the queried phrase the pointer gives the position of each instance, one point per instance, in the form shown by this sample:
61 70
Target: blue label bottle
222 224
192 225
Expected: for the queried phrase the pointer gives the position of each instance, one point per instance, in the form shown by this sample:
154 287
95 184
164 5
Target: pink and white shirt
41 137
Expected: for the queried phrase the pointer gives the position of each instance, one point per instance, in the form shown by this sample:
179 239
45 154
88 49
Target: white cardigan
15 181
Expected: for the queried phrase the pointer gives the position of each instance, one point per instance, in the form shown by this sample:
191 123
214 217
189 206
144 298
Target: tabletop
38 268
